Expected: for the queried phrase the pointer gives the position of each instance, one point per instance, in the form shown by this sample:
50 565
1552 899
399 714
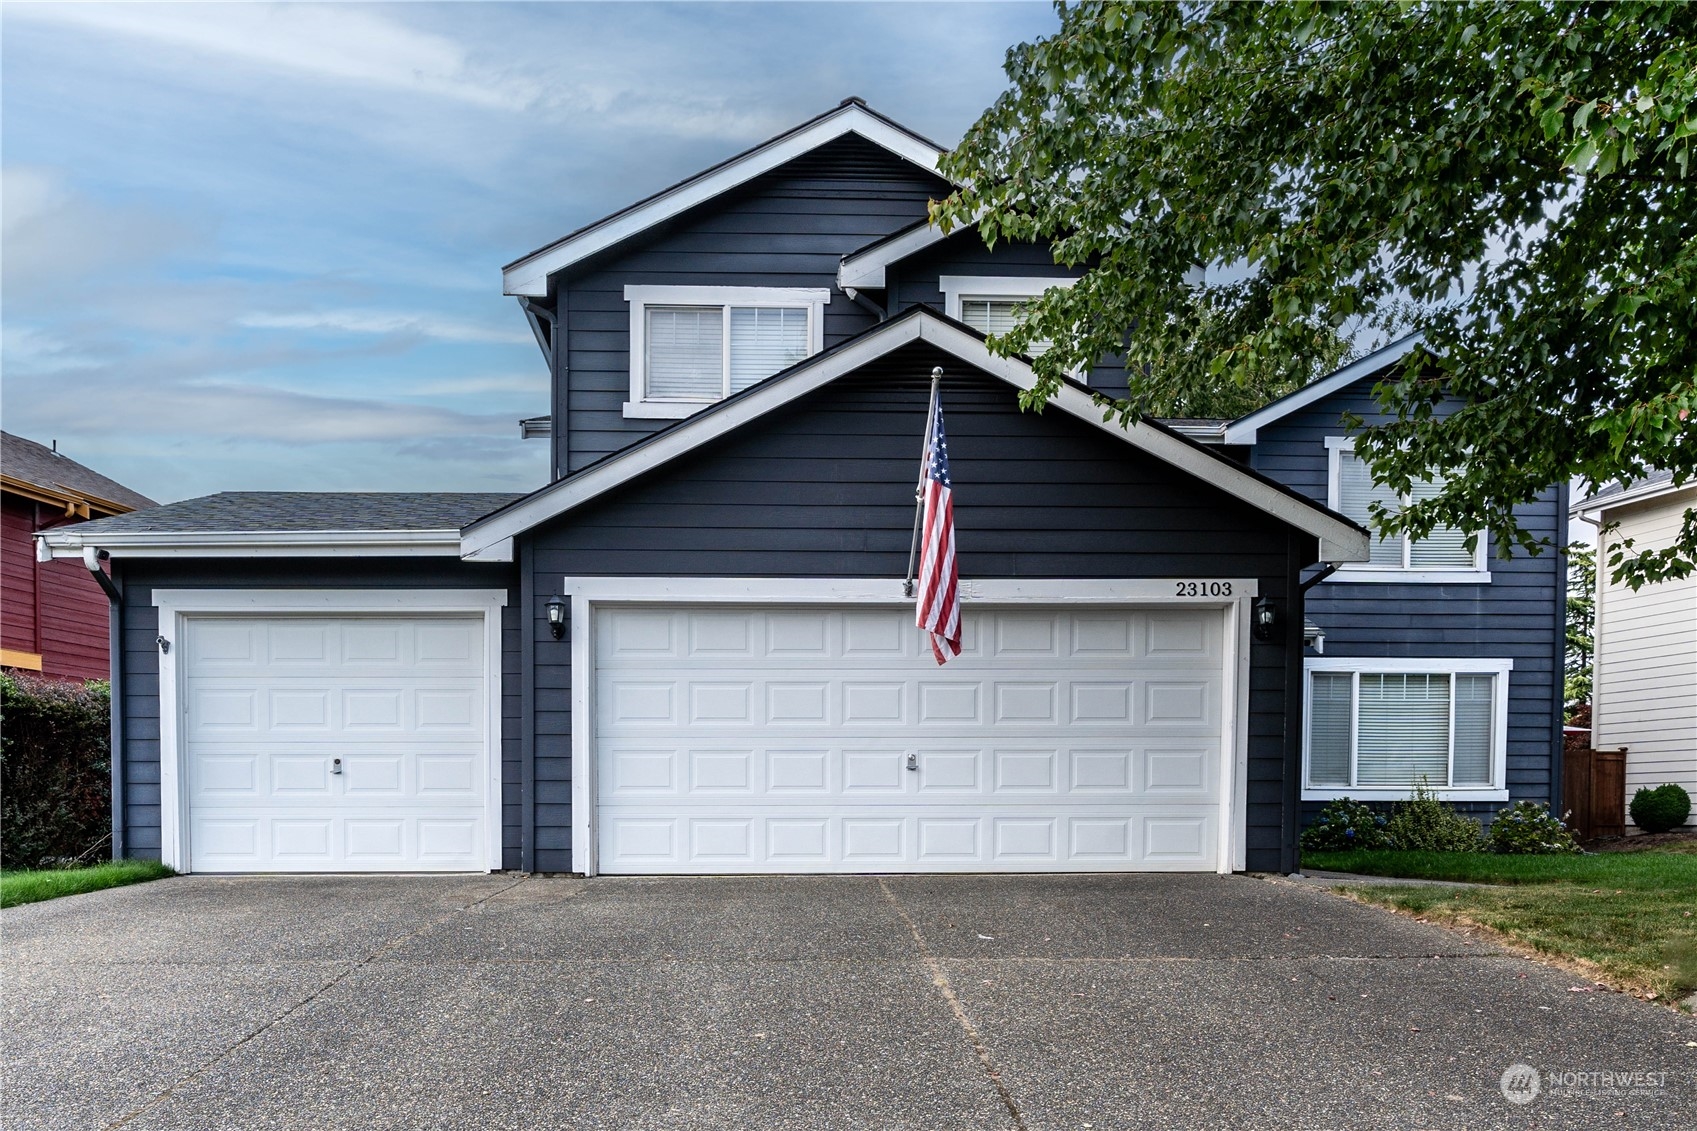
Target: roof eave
70 542
1586 508
1243 430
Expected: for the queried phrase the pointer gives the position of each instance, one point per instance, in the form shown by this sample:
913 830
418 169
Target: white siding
1645 696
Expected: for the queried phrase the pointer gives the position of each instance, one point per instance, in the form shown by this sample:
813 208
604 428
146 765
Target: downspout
115 666
860 300
559 438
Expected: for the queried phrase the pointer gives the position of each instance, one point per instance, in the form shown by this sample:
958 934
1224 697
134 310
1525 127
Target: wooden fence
1594 791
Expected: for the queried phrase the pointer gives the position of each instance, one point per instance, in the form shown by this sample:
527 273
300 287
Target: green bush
1660 809
1344 824
55 771
1527 828
1425 824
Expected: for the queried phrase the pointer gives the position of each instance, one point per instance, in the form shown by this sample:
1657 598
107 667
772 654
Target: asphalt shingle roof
305 511
1613 489
38 464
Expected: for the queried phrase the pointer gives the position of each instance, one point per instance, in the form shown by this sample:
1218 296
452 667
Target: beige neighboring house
1644 684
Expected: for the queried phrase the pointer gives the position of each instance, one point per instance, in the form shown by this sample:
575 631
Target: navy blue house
690 651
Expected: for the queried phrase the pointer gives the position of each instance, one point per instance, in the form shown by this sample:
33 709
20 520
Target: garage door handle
335 765
913 762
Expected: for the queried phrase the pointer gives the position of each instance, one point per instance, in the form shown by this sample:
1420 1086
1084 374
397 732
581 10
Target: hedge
55 771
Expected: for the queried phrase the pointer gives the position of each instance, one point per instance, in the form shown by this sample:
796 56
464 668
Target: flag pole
919 488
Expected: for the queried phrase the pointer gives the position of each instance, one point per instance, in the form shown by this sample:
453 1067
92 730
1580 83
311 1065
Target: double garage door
828 740
335 743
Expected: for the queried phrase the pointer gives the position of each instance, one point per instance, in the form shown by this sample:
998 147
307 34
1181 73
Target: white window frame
1476 574
643 407
1498 669
959 288
177 606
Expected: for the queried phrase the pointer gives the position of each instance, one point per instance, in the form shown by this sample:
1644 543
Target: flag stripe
937 609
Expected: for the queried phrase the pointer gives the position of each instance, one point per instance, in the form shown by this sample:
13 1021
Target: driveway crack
166 1093
940 979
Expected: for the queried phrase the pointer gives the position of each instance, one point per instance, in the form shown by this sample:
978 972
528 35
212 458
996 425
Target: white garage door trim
175 605
1232 595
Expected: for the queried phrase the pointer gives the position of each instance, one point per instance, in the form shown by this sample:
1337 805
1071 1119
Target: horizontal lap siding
825 489
1513 617
141 659
788 228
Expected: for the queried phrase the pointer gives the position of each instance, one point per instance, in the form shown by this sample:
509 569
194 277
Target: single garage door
813 740
335 744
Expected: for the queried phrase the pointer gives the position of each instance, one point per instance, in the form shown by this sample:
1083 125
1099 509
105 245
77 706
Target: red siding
54 609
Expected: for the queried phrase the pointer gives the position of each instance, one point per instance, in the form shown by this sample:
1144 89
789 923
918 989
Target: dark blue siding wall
1515 616
788 228
141 658
825 488
913 282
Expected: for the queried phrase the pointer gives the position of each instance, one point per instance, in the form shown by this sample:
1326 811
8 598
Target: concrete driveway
922 1002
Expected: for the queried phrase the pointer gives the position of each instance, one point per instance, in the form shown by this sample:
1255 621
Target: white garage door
815 740
335 744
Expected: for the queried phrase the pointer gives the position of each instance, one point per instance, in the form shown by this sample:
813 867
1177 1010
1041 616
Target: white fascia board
1340 541
865 270
71 541
529 276
1243 430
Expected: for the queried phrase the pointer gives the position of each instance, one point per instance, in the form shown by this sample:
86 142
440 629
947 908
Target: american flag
938 611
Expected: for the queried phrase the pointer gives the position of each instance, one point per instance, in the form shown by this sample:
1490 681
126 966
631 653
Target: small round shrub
1425 824
1528 828
1344 825
1660 809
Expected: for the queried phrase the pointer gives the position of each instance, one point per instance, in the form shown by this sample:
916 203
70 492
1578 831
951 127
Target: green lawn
1631 915
32 887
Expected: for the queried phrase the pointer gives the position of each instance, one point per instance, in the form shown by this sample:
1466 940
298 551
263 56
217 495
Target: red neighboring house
53 615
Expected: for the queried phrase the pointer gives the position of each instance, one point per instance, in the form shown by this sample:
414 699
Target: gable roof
528 275
1243 429
1340 539
866 267
1654 485
62 481
285 523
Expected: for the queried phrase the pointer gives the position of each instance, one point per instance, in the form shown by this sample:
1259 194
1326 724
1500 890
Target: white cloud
323 41
379 322
54 235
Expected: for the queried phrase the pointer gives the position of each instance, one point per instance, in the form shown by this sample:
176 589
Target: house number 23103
1203 589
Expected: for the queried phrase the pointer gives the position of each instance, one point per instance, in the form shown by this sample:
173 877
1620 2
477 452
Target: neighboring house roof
1243 429
40 473
1619 494
1340 539
528 275
285 523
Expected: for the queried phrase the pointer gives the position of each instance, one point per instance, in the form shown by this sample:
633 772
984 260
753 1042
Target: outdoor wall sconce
557 615
1266 622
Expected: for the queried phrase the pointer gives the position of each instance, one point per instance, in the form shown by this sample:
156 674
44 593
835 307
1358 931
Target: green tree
1581 623
1518 176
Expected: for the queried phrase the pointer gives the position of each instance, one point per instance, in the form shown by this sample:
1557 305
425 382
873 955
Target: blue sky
256 247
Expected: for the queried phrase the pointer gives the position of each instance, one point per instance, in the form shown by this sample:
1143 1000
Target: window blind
1445 547
1356 494
686 355
765 340
1330 728
1473 719
1402 729
997 316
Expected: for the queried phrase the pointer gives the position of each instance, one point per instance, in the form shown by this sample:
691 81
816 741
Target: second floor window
994 304
692 346
1442 553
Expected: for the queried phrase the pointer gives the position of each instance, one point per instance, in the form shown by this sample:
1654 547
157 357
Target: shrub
1527 828
1344 824
1425 824
55 770
1660 809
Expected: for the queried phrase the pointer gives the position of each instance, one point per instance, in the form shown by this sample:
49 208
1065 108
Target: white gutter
70 542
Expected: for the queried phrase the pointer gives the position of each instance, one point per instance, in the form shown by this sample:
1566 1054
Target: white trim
641 296
1340 541
868 268
956 287
529 275
1368 573
175 605
587 594
1589 509
71 541
1498 668
1244 429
